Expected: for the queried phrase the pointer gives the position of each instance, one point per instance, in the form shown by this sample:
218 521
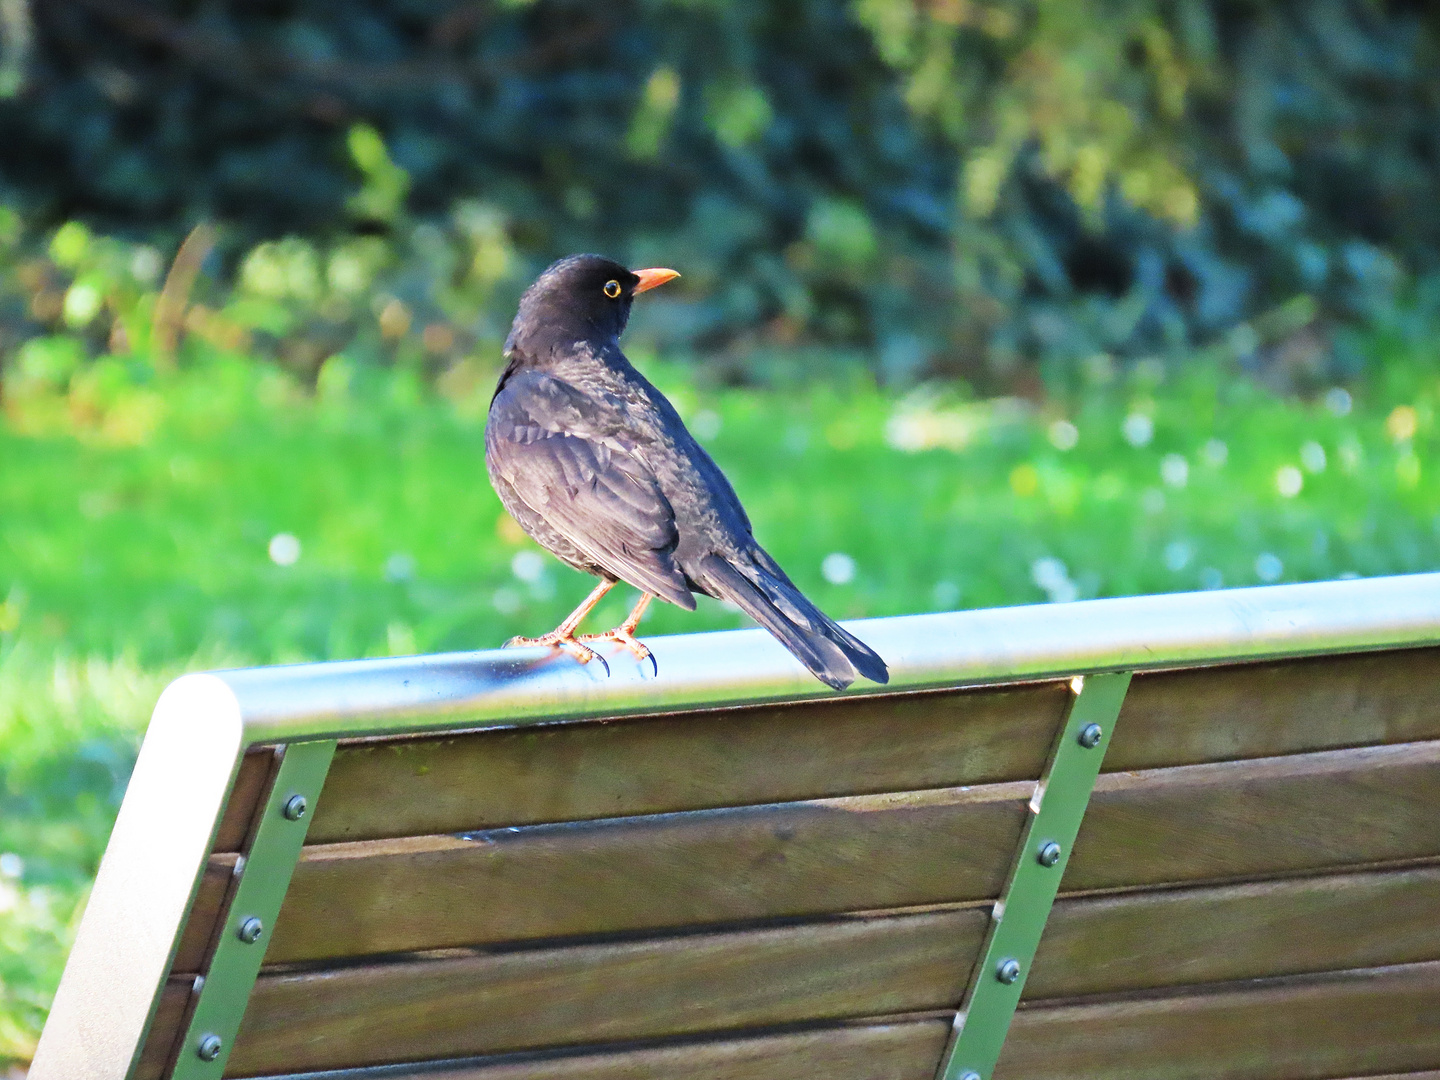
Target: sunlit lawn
226 516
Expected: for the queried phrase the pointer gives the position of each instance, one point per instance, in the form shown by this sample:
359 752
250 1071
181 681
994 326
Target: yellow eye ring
612 289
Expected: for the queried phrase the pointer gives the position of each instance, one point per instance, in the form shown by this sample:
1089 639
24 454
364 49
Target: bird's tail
763 592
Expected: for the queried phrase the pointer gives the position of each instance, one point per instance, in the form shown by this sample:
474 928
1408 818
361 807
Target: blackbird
595 464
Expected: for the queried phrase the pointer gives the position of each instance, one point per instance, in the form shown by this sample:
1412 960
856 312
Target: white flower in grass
1268 567
945 595
1178 554
1288 481
1063 435
706 424
1215 452
1051 574
528 566
1138 429
838 568
1175 470
400 567
284 549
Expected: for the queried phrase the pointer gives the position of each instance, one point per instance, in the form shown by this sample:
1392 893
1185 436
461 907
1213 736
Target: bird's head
581 297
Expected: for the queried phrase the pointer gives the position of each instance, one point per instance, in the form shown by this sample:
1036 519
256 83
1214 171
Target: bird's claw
565 643
624 638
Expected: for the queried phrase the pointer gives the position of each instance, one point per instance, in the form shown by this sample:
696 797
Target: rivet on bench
1049 853
250 930
208 1048
972 1075
295 807
1090 736
1008 970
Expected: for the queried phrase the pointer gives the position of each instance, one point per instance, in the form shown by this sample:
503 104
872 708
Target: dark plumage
597 466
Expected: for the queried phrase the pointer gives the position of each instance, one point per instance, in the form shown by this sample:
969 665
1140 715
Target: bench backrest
522 870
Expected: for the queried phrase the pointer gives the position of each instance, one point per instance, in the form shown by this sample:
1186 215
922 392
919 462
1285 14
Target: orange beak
651 278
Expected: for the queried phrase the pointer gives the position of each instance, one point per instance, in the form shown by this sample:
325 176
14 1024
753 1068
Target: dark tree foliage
954 186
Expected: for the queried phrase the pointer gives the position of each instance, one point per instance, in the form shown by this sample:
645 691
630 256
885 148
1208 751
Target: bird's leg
624 634
563 636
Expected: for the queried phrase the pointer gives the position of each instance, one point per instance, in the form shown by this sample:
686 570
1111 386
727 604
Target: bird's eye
612 289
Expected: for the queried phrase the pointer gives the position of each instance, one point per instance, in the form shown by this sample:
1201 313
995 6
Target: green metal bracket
1020 914
264 878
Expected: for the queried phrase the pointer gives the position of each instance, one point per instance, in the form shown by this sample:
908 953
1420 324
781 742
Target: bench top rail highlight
350 699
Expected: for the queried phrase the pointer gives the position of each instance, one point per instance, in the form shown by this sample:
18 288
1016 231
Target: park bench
504 865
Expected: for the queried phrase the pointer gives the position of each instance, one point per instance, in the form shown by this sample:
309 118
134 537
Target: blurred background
983 303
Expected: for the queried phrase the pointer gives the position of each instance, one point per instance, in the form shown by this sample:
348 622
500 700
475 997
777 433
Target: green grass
137 514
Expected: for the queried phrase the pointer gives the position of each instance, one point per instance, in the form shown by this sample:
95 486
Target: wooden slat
487 1004
1204 822
726 758
1288 707
1313 1028
1172 937
257 769
1260 818
197 938
165 1029
903 742
210 900
893 1051
1310 1028
709 866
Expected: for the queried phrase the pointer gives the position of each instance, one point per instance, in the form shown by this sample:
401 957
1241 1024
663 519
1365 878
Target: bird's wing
581 475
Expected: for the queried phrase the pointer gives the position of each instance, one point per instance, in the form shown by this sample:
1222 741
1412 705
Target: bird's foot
564 642
622 636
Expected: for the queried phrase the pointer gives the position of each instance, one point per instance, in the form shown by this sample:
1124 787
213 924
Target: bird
596 465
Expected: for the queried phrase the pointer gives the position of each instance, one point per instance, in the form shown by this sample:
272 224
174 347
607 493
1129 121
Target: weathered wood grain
1258 818
895 1051
1228 821
507 1001
902 742
210 901
217 882
453 1006
734 757
702 867
159 1049
1299 1028
1311 1028
1172 937
1287 707
252 783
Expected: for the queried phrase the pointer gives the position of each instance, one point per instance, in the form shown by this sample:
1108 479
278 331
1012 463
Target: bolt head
1090 736
970 1075
295 807
1008 970
250 930
208 1048
1049 853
